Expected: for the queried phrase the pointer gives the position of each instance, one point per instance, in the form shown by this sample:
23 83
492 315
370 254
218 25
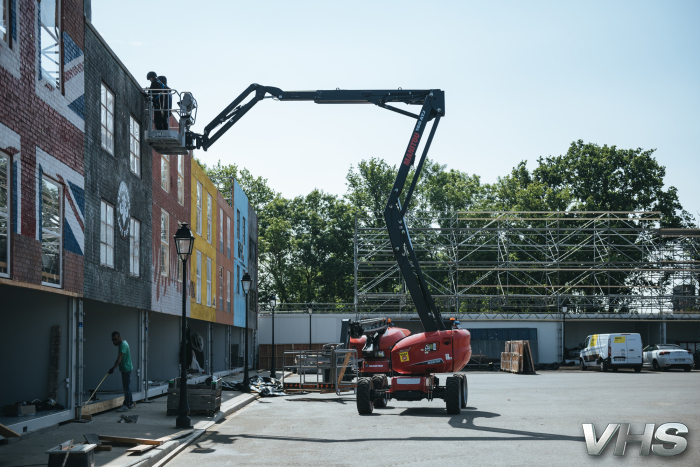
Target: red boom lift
412 360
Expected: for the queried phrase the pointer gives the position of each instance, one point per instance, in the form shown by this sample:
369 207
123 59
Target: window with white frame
50 40
243 239
4 215
134 247
199 209
221 288
208 281
135 146
51 195
221 229
106 234
181 178
228 237
5 22
179 269
228 291
164 243
165 172
199 277
209 218
107 118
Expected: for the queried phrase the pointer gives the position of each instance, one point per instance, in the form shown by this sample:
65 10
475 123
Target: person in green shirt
125 367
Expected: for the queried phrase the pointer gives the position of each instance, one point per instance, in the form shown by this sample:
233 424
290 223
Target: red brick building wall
224 261
41 130
166 294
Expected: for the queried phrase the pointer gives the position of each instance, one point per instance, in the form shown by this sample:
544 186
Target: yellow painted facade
203 306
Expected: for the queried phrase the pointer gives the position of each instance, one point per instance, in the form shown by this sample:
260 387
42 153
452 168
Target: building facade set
87 216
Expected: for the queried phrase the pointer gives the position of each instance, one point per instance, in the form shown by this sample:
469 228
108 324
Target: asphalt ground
511 420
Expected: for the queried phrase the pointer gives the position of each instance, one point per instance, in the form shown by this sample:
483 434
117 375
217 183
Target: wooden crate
505 361
517 357
200 397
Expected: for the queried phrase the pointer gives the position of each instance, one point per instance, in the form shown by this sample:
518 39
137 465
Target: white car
666 356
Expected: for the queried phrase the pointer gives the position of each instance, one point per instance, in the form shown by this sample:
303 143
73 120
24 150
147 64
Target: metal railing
331 369
182 105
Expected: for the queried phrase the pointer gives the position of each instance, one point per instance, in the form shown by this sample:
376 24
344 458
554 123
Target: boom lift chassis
432 102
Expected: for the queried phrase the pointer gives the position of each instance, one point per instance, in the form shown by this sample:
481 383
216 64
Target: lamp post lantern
246 281
310 310
184 242
273 304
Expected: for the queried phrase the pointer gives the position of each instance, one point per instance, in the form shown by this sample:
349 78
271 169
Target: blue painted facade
240 242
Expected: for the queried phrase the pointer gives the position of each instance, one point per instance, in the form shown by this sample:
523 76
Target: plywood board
141 448
7 433
127 440
102 406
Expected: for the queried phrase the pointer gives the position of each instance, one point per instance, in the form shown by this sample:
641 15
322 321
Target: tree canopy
306 243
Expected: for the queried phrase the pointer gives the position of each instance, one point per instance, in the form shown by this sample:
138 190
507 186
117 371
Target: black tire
378 383
638 369
603 366
655 365
364 397
453 396
465 391
582 365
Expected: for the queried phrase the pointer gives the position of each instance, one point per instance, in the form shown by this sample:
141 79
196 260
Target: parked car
612 352
667 356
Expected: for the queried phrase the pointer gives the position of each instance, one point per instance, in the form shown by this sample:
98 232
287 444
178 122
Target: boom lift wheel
465 391
453 395
378 383
364 396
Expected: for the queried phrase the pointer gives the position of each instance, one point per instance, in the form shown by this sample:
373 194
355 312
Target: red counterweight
432 352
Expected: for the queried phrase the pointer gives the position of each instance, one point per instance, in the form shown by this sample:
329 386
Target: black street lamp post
184 241
273 304
246 281
311 310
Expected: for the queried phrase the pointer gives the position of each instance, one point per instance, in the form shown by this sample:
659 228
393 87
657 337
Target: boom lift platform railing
172 140
332 369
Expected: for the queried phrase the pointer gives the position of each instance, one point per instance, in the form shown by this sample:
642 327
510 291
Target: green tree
256 188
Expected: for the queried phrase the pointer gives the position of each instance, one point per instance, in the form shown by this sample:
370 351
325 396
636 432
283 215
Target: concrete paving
153 423
513 420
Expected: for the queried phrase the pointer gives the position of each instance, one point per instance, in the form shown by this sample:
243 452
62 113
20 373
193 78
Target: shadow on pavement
340 400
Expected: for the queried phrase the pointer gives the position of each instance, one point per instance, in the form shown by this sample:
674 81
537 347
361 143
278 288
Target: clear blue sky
522 79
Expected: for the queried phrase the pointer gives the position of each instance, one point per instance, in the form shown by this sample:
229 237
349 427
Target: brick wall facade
166 292
41 132
224 261
109 177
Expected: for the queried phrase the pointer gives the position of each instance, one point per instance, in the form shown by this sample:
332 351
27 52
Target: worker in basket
159 93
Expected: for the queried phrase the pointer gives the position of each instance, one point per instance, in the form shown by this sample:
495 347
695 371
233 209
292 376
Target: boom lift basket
183 107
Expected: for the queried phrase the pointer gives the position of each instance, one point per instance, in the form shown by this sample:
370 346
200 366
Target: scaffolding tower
534 263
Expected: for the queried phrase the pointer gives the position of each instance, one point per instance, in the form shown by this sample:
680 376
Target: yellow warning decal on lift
403 356
619 339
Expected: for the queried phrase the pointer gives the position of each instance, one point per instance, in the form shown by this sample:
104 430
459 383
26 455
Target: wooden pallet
517 358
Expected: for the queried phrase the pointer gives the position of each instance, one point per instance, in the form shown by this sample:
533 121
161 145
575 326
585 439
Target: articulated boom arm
432 104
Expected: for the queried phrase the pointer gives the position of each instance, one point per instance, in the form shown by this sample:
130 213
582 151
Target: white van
612 351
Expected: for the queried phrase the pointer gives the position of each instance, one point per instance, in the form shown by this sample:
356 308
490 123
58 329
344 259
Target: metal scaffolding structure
534 263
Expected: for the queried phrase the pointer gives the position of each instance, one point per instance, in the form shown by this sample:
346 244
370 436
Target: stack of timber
202 398
517 358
